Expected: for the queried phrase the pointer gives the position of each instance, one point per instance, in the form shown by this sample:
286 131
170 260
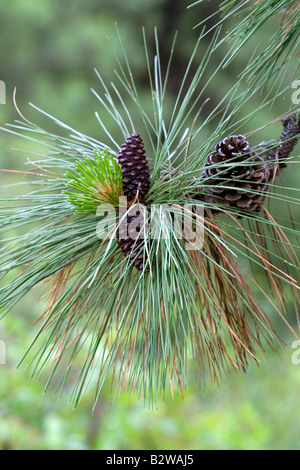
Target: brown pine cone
129 240
135 170
291 129
244 174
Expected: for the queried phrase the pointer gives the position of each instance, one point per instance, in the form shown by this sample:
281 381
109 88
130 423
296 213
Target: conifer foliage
130 296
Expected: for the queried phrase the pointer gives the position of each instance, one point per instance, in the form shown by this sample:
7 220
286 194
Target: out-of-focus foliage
48 51
257 410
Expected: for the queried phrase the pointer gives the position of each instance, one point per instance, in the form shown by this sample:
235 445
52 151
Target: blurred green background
48 51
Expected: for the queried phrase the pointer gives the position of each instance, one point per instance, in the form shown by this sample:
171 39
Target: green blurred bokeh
48 51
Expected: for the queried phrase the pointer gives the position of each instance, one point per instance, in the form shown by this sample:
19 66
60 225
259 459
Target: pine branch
275 56
139 319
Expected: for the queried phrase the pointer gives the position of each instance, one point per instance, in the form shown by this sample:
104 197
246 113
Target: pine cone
131 244
248 181
291 129
135 170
